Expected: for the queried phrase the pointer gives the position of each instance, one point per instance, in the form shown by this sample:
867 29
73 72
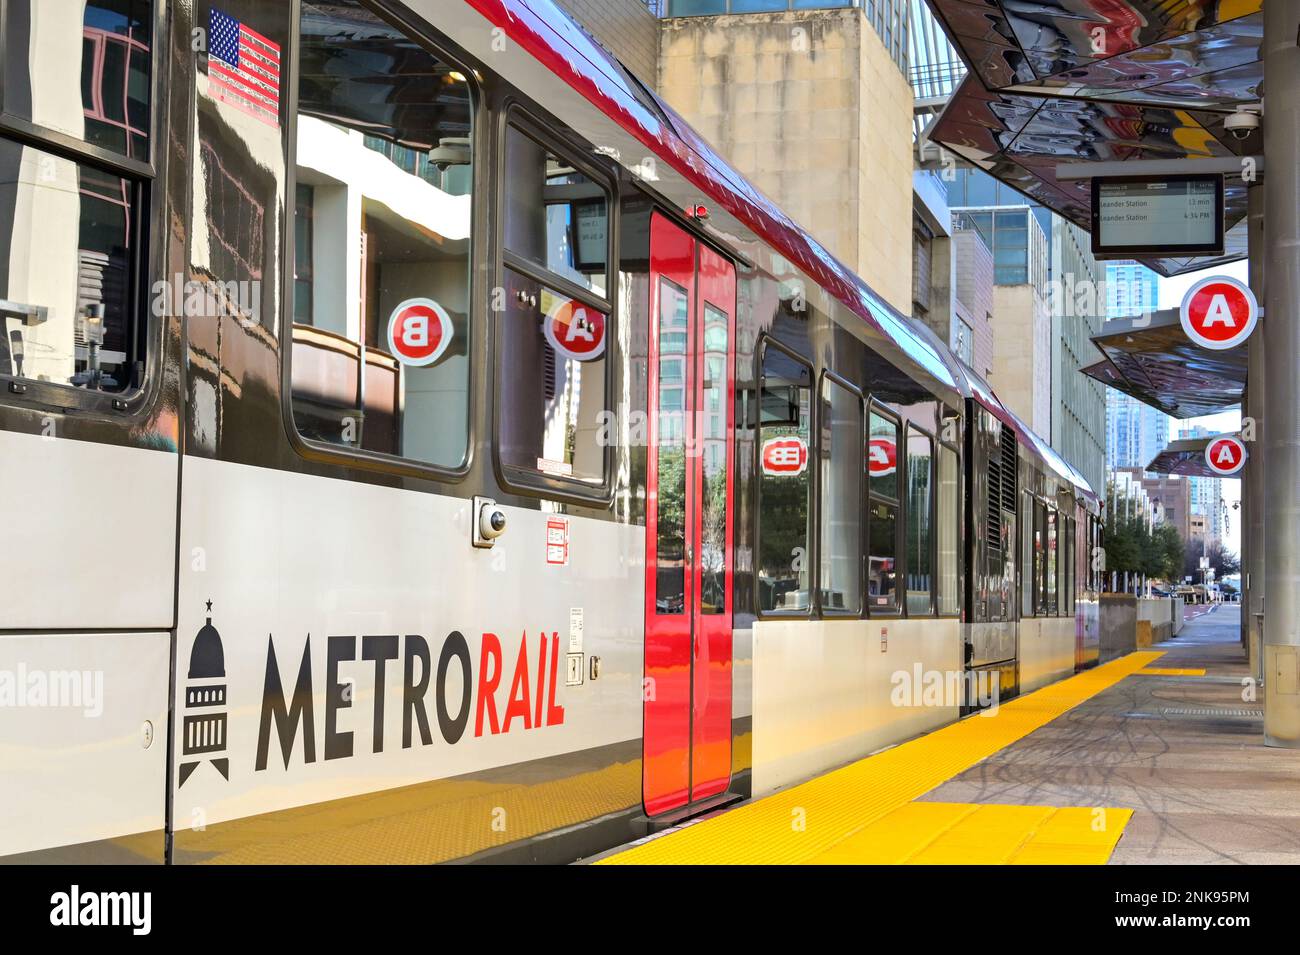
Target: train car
418 445
1032 539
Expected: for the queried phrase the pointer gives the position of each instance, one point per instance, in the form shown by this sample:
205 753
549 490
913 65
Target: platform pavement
1185 753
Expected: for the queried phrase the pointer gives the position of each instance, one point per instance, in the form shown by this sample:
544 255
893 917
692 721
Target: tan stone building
814 109
973 301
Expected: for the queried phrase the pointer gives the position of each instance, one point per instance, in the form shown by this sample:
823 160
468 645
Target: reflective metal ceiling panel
1106 48
1185 457
1154 361
1020 139
1101 80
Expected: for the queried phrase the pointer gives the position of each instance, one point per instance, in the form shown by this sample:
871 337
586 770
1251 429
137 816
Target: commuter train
418 445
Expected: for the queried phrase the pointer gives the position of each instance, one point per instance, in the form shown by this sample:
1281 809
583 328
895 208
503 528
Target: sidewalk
1185 753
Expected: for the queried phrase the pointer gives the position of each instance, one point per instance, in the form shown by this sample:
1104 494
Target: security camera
1242 123
489 522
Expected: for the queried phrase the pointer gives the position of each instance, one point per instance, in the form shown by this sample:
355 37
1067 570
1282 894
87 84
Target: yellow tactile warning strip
1171 671
807 821
944 833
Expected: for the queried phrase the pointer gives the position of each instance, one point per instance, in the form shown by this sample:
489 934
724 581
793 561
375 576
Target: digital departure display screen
1170 215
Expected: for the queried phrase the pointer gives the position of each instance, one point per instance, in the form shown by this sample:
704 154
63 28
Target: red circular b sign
419 331
1219 312
1225 455
574 330
785 457
882 457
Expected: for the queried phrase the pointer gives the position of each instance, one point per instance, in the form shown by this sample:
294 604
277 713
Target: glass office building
1014 228
1135 432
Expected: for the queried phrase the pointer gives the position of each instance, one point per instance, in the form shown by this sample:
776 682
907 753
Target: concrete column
1281 328
1253 504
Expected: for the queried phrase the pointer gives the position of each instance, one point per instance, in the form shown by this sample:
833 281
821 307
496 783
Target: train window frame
322 452
532 482
811 556
147 179
1038 529
959 527
1067 559
896 609
911 429
856 613
1025 558
1052 564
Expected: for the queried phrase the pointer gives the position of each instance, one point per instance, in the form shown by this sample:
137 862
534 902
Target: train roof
560 44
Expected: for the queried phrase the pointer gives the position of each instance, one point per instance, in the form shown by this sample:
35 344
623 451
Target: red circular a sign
1225 455
882 457
419 331
1219 312
575 330
784 457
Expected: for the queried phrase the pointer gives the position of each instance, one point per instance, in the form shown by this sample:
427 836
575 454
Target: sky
1171 292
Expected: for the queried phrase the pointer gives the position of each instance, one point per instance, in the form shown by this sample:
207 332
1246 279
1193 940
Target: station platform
1156 757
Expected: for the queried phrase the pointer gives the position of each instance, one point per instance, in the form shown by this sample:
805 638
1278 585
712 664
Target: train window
1027 555
882 456
784 431
380 356
670 449
1051 570
551 403
72 193
713 450
556 322
66 282
882 548
947 532
840 454
1040 558
1067 566
920 527
111 41
556 216
882 518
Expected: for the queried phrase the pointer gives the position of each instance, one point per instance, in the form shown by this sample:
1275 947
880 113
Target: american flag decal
243 68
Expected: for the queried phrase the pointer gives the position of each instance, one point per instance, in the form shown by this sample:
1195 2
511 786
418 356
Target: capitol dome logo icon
204 727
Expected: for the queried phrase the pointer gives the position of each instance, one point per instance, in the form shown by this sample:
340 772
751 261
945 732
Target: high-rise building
1135 432
1041 328
1078 402
1131 289
1207 493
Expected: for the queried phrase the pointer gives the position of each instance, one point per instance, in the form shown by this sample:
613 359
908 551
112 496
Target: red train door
689 521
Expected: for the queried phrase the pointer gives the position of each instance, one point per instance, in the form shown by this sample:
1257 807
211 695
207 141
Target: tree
1223 561
1165 553
1122 543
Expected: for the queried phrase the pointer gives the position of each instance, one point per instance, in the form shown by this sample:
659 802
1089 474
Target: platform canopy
1067 81
1152 359
1185 457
